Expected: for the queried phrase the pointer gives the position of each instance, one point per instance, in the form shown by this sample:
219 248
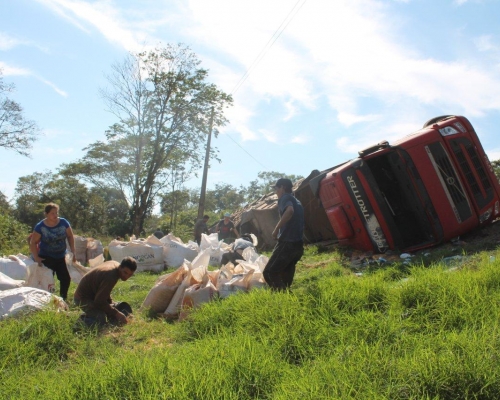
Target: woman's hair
50 206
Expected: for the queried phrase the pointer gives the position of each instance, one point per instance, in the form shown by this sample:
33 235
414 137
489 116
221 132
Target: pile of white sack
25 286
153 254
192 284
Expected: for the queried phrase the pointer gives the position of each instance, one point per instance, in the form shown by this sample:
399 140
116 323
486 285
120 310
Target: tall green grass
400 332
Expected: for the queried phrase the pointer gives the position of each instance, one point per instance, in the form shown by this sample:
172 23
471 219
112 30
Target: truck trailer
427 188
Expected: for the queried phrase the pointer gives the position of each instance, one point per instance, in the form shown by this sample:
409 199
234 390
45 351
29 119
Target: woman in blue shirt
51 234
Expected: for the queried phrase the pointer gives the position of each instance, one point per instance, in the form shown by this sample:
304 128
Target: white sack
195 296
238 283
17 300
207 241
6 282
76 270
175 251
149 256
193 277
13 267
159 297
80 249
25 259
94 249
94 262
40 278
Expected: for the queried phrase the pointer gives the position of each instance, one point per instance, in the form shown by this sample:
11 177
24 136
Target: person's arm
102 299
35 239
71 241
236 233
287 215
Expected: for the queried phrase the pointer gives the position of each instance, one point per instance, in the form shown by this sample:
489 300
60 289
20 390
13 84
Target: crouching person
93 294
236 253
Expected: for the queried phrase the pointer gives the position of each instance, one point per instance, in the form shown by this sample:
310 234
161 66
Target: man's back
96 285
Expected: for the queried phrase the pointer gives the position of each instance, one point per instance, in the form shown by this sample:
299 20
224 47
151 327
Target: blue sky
326 77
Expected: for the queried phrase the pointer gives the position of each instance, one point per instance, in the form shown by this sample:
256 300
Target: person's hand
38 260
74 257
122 319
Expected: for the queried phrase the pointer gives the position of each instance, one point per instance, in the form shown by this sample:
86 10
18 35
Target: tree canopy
16 132
163 104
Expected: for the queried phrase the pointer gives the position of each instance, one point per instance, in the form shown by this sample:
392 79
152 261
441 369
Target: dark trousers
58 265
93 316
280 269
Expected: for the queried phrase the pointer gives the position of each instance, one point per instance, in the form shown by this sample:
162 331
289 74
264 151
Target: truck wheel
371 149
432 121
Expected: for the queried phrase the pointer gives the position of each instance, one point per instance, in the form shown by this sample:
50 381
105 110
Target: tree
90 211
4 204
13 236
31 196
177 197
262 185
496 168
163 105
16 132
225 198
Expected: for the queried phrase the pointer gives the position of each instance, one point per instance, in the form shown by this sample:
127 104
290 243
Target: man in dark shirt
159 233
224 229
93 293
200 227
280 269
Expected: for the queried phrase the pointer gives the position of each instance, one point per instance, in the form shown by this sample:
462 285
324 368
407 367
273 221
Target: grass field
393 332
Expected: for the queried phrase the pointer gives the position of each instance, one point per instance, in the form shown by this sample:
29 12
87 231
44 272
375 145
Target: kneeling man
93 293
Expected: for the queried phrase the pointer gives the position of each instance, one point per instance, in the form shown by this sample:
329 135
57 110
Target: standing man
200 227
280 268
224 229
93 293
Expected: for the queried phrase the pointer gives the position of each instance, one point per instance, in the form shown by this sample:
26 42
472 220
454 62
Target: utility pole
201 206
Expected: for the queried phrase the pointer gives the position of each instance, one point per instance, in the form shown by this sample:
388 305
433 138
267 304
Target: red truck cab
426 188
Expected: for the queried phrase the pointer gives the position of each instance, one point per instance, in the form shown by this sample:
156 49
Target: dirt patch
484 239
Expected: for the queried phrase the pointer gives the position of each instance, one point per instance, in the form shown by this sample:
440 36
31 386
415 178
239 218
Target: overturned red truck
428 187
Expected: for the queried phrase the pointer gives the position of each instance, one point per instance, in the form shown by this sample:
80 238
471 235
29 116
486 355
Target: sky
313 81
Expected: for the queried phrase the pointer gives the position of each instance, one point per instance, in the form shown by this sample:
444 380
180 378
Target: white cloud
300 139
53 86
344 53
8 70
269 135
102 16
348 119
484 43
8 42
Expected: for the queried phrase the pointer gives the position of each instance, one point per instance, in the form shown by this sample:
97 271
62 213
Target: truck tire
371 149
434 120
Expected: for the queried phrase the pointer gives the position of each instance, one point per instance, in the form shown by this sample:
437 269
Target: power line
270 42
261 55
237 144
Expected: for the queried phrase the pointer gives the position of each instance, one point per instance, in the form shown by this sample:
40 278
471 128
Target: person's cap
283 182
227 215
